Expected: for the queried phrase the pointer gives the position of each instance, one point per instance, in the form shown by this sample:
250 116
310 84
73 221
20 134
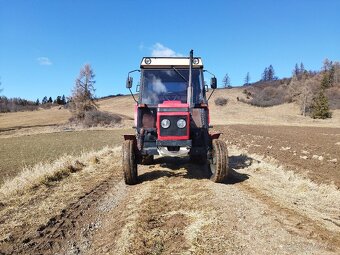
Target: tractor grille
173 130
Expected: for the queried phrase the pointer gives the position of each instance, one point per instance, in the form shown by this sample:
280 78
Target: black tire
198 159
129 162
147 159
219 161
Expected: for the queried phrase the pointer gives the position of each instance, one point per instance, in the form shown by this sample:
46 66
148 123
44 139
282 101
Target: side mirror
213 83
129 82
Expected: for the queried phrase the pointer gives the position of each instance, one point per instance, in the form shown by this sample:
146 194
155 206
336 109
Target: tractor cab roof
169 62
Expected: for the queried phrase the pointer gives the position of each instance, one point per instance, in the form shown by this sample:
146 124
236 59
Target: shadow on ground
175 167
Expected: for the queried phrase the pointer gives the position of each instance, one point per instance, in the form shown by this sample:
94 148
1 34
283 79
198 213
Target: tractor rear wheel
129 162
219 161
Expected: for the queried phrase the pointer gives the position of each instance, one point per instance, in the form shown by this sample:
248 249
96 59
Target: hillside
235 112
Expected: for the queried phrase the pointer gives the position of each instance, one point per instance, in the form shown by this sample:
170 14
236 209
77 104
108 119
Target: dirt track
175 209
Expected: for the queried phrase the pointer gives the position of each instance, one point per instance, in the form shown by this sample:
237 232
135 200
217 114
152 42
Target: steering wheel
172 97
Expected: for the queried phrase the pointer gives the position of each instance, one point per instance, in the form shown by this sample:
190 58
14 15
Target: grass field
234 112
27 138
18 152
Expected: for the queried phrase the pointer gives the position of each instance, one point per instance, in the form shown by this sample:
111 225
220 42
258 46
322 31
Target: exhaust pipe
189 98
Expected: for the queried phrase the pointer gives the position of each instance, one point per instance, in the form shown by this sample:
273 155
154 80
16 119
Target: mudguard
215 136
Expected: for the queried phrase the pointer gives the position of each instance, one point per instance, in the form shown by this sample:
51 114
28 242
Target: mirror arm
211 94
137 70
210 73
133 96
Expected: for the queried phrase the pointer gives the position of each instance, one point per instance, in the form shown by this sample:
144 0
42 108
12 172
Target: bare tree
83 99
302 92
226 81
327 64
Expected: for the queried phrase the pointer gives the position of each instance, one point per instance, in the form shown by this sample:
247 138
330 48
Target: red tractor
172 117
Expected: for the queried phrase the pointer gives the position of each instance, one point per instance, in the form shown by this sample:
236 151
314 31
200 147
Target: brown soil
175 209
311 151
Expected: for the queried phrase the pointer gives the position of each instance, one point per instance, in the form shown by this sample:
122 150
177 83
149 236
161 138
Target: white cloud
159 50
44 61
157 85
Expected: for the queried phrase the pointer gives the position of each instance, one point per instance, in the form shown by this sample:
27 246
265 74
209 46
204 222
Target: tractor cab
171 111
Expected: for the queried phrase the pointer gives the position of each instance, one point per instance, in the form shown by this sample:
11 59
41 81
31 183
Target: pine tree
44 100
37 102
50 100
302 68
320 106
58 100
296 70
271 73
265 74
63 100
247 79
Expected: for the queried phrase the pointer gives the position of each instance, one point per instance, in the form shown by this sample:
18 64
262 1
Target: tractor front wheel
129 162
219 161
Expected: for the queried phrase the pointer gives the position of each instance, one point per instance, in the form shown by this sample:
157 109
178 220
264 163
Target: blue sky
43 44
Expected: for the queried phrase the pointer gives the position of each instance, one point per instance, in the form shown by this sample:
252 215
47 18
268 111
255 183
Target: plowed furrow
70 227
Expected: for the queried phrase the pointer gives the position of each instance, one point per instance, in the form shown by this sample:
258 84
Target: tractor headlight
165 123
181 123
147 61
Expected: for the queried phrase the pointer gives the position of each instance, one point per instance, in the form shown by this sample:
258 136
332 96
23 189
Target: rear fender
214 136
130 137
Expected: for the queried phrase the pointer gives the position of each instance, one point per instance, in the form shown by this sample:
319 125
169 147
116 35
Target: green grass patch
18 152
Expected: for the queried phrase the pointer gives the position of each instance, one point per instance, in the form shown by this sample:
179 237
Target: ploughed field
310 151
282 197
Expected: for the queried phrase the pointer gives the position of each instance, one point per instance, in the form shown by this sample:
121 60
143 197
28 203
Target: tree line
60 100
316 92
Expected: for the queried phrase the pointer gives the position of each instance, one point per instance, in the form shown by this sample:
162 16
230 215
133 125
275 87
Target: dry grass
45 174
25 151
40 192
235 112
53 116
319 202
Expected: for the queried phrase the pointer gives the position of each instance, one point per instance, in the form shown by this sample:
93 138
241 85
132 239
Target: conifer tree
320 106
247 79
44 100
83 93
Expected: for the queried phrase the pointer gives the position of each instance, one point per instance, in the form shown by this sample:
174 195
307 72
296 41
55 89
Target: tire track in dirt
177 210
157 215
71 230
295 222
